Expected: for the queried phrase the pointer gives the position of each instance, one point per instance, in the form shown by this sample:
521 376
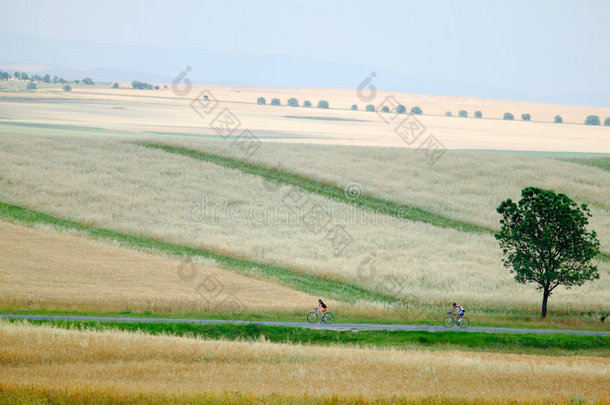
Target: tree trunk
545 298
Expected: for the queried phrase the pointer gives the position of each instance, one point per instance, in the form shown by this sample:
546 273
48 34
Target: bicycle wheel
464 322
312 317
448 322
328 317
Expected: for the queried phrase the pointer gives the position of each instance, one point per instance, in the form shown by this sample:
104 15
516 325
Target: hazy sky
536 47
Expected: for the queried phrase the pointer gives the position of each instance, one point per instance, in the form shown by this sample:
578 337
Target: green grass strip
598 162
310 284
326 189
498 342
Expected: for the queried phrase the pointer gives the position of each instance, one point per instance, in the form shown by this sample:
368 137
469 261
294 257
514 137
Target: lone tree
115 85
545 241
558 119
508 116
401 109
463 113
416 111
526 117
385 109
67 87
370 108
448 114
607 122
307 103
275 101
354 107
322 104
592 120
261 101
293 102
478 114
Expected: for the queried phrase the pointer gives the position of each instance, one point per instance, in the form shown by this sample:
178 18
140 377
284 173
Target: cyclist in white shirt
460 312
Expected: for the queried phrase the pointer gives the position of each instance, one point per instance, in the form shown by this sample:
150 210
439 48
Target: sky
551 51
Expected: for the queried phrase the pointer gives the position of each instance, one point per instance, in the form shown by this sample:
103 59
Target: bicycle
313 317
451 320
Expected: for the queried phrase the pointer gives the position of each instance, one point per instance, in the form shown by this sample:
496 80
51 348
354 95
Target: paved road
336 326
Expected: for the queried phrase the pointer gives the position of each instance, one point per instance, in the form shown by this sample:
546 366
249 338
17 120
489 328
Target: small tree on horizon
401 109
478 114
31 86
558 119
87 81
416 110
261 101
307 103
293 102
354 107
323 104
370 108
607 122
508 116
545 241
275 101
526 117
592 120
463 113
67 87
115 85
448 114
385 109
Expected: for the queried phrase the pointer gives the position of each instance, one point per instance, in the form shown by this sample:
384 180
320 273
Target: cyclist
460 312
322 306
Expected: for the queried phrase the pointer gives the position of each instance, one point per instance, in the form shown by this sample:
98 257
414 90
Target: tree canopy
545 241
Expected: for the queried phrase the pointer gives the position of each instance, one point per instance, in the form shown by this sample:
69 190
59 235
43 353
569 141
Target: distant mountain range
105 62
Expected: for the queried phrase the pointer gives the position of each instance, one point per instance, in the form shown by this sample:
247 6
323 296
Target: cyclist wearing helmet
460 312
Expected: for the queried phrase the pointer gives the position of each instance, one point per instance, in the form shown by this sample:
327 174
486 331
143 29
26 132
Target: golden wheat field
118 363
114 183
44 269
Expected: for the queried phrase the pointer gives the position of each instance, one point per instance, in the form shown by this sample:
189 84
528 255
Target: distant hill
156 64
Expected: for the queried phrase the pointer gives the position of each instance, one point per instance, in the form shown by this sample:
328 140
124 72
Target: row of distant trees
464 114
136 84
292 102
87 81
47 78
590 120
401 109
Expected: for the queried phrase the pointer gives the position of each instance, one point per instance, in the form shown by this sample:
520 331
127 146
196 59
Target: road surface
336 326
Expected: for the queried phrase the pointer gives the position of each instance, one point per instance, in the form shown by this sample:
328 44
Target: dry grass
43 269
461 185
118 364
131 189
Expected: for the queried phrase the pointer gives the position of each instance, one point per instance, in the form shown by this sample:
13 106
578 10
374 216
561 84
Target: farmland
106 365
111 199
